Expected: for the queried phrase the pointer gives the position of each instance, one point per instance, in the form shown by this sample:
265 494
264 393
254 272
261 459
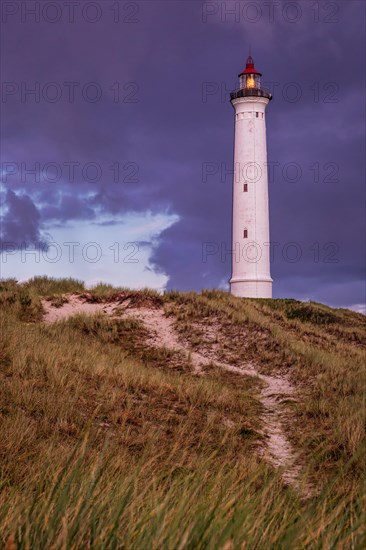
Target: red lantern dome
250 69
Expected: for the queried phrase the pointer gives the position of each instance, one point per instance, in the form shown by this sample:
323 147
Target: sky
117 141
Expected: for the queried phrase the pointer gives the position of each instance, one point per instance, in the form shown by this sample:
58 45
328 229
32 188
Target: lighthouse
251 276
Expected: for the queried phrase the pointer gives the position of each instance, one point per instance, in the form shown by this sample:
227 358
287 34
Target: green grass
105 443
46 285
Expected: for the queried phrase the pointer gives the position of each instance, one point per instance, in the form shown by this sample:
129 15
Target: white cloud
110 253
360 308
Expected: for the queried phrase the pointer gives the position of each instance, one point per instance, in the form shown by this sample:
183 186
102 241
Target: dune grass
102 445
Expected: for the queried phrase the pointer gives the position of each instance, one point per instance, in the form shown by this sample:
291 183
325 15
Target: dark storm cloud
168 130
20 221
69 208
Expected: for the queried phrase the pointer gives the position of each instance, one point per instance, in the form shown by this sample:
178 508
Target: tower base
251 289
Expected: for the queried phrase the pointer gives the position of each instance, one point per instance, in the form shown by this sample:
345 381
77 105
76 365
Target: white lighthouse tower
251 276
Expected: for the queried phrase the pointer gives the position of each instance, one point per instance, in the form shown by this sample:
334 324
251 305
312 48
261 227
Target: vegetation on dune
46 286
105 443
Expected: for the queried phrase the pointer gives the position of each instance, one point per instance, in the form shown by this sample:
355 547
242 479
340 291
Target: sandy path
278 451
275 389
74 306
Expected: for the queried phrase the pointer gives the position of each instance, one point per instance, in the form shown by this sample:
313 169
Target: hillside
138 420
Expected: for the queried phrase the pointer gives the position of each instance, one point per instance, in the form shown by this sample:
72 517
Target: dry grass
104 445
322 350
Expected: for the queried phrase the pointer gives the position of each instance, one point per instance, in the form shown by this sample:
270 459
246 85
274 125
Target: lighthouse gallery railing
251 92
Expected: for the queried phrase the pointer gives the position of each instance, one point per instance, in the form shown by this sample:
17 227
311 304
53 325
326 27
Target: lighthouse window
245 187
257 115
245 233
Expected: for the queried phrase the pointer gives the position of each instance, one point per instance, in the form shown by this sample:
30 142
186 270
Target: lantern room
250 78
250 83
